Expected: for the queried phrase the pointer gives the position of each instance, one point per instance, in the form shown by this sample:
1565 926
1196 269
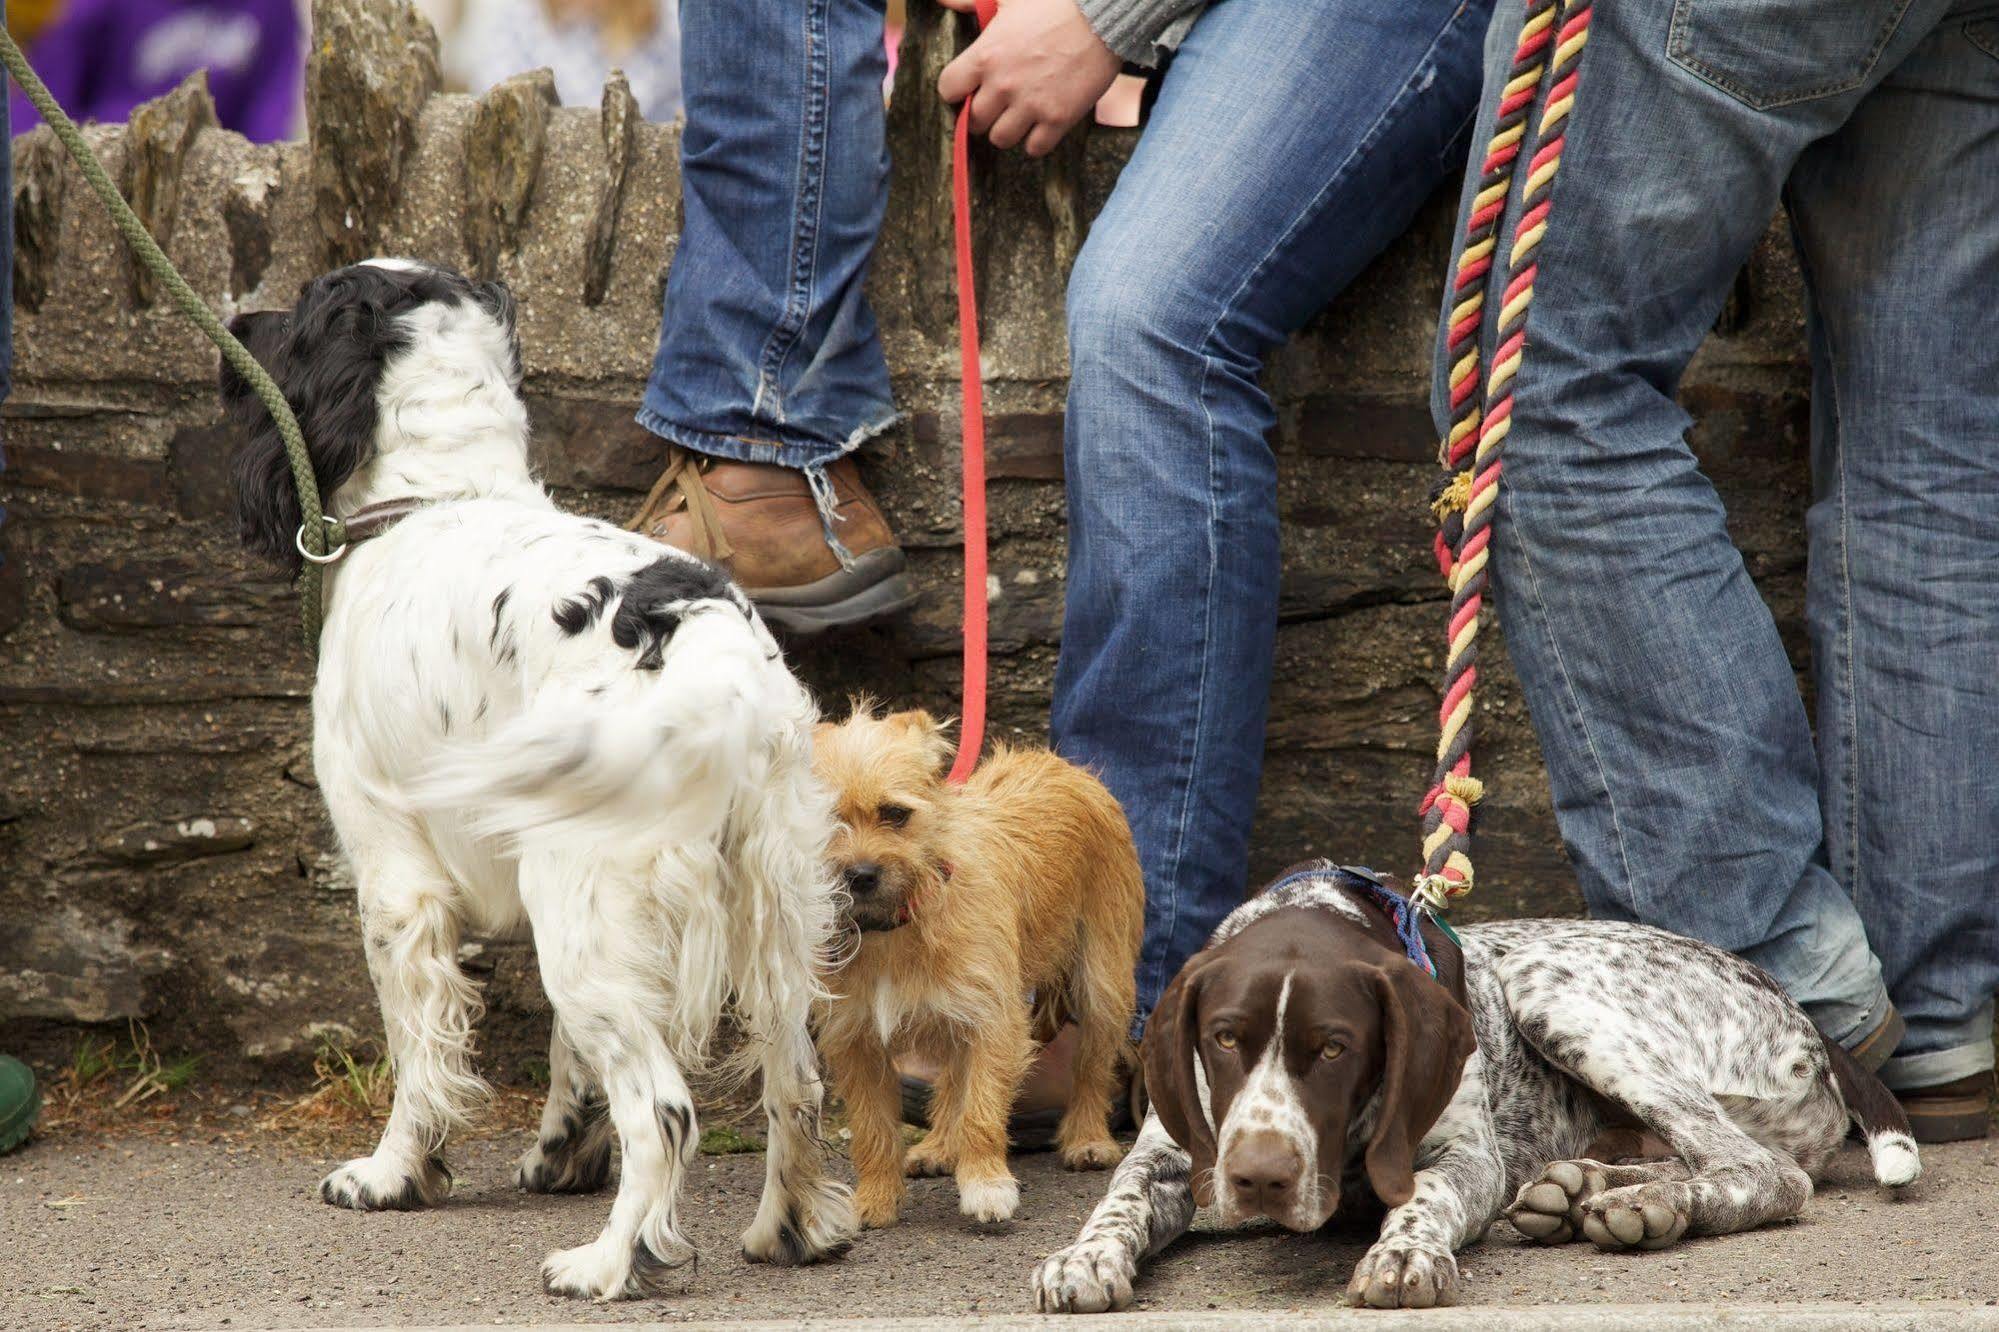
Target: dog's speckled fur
1582 1026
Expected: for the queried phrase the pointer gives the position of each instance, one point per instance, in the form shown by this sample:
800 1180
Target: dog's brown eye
1332 1050
1225 1039
893 816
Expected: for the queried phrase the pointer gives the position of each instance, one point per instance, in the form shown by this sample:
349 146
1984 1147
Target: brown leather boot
1950 1111
761 522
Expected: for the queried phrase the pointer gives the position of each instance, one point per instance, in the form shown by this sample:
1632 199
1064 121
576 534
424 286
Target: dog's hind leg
601 954
572 1153
804 1215
1103 997
410 935
1729 1180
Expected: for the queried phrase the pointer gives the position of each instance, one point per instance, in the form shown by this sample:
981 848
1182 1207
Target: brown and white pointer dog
1301 1060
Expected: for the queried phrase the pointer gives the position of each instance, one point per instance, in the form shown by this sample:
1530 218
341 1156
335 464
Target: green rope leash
318 540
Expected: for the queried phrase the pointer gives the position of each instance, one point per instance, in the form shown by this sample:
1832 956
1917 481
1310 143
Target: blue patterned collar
1402 913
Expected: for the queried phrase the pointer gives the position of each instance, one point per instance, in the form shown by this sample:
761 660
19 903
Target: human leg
769 371
1892 220
1239 216
1680 755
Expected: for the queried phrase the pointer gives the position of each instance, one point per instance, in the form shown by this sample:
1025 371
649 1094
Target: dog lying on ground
1300 1061
522 716
964 900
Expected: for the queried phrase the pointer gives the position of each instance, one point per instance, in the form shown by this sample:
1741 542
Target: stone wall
163 855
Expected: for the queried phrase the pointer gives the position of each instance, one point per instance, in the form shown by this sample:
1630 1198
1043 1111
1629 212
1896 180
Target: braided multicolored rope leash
1467 501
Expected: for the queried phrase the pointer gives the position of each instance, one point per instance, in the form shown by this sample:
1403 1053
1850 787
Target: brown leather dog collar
371 520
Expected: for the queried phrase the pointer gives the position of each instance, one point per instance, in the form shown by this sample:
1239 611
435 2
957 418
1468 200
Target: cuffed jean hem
1825 1017
786 450
1934 1067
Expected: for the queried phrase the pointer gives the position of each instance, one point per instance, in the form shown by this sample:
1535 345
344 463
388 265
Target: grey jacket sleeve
1141 30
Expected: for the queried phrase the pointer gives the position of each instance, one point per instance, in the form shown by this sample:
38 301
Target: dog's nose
864 878
1264 1170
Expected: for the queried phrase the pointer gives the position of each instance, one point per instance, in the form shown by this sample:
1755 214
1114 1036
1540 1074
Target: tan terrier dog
985 915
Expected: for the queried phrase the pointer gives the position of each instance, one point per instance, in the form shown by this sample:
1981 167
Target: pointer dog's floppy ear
1426 1038
1171 1080
327 355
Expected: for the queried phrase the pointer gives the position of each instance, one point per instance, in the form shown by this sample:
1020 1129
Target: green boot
20 1103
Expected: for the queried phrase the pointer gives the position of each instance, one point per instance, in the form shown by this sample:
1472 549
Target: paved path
149 1232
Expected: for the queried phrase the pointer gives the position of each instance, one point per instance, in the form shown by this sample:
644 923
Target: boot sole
1949 1118
875 589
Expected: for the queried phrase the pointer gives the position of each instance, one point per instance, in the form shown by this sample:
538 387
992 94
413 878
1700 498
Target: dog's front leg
1149 1205
995 1061
1459 1192
865 1076
410 935
804 1216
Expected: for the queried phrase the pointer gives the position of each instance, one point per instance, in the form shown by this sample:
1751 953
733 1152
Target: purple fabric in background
101 58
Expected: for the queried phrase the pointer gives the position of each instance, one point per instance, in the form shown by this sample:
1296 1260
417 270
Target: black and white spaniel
526 718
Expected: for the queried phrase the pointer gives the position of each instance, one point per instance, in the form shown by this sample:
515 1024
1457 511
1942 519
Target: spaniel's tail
1879 1116
667 750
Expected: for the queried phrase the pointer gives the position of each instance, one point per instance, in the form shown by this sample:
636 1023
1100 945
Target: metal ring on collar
298 540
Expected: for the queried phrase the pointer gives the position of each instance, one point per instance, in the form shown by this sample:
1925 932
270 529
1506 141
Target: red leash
972 718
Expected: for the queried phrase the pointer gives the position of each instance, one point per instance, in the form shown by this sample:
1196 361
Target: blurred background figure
485 41
101 58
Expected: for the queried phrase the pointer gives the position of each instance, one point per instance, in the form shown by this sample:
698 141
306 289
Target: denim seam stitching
1846 655
1850 663
806 208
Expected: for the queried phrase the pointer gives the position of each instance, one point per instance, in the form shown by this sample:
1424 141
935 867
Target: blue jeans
1686 780
767 347
1288 146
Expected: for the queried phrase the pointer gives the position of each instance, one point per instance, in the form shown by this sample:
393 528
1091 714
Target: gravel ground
161 1233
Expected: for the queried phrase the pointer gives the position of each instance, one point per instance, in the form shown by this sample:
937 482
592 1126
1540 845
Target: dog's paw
605 1269
815 1225
989 1200
1550 1209
1396 1274
380 1184
929 1159
1639 1216
565 1165
1089 1277
1099 1155
877 1205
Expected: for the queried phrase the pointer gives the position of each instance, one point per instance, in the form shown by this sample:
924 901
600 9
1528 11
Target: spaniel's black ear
327 356
267 512
1171 1083
263 332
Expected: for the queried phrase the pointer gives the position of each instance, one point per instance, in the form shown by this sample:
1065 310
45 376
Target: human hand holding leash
1033 73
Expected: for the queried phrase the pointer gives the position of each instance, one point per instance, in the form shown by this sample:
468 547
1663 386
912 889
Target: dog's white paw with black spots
1087 1277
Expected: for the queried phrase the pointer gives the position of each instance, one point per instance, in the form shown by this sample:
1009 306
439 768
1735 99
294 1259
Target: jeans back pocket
1771 53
